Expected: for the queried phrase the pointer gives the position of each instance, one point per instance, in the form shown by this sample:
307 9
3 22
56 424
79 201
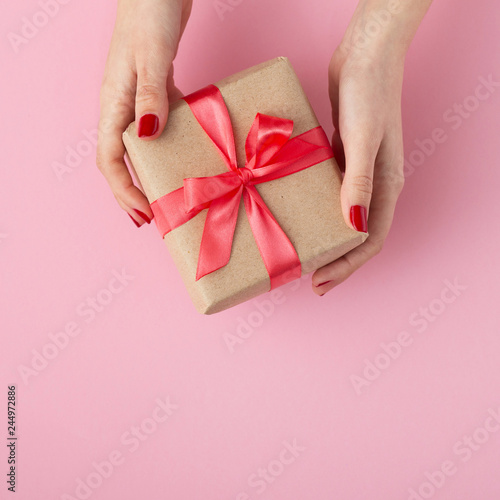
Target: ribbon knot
245 174
271 153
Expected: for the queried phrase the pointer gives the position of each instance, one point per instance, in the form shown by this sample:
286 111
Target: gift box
243 186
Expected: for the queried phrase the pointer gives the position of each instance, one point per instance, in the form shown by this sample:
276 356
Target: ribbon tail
218 231
279 255
200 191
170 211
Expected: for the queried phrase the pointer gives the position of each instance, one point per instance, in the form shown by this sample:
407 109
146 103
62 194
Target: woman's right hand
138 84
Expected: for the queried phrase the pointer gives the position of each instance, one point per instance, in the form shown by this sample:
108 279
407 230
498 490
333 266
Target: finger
116 114
381 216
151 100
360 150
331 275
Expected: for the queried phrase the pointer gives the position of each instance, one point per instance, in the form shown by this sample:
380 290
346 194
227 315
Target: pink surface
145 383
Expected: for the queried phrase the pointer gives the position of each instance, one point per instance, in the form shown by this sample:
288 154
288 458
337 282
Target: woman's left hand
365 83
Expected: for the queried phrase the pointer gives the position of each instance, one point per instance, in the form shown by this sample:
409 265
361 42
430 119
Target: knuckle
112 91
363 184
148 93
351 266
105 127
375 246
105 90
99 161
399 183
395 171
114 101
395 181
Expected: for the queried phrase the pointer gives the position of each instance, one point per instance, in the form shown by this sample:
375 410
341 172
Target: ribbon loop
268 134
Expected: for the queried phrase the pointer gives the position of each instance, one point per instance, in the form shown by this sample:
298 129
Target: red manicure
324 283
148 125
358 218
135 222
143 216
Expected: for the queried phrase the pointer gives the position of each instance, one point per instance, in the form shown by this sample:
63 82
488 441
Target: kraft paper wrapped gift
305 204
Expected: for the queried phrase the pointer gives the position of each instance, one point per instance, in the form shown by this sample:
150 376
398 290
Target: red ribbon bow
270 154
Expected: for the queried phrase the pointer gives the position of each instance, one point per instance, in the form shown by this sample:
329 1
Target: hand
365 82
138 84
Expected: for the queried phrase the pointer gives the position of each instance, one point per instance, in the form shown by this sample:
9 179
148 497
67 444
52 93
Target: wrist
383 29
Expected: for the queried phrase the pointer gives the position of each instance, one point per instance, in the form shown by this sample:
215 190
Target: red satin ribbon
270 154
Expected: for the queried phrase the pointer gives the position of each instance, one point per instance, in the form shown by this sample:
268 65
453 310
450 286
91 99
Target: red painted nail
148 125
358 218
321 294
142 215
135 222
324 283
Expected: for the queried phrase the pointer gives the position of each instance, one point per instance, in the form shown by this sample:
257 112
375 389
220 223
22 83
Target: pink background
290 377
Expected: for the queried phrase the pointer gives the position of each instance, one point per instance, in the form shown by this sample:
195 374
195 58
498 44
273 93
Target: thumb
151 100
357 185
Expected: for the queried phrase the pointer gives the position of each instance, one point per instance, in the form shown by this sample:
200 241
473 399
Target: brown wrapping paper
305 204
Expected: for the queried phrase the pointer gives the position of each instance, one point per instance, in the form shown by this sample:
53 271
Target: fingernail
143 216
358 218
321 294
324 283
135 222
148 125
